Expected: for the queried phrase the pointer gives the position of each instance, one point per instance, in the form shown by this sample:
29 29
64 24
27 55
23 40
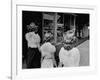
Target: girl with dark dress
33 40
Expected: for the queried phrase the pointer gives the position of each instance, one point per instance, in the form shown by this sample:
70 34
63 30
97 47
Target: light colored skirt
47 63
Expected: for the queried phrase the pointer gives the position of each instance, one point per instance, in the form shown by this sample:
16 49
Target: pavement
84 53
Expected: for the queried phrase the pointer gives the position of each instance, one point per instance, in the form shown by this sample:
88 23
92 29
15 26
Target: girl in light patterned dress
47 60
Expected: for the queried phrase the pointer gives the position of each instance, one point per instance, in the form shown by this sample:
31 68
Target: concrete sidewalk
84 53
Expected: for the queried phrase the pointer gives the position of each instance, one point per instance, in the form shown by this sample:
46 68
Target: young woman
47 60
33 40
69 55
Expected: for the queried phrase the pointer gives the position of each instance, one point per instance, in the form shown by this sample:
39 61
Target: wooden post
75 22
55 27
42 27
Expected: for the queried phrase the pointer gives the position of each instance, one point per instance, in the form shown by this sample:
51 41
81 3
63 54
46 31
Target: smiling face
69 35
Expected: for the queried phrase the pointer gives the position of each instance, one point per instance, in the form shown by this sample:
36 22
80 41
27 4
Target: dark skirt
33 58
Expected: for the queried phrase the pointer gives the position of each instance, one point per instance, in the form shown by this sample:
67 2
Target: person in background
33 41
48 35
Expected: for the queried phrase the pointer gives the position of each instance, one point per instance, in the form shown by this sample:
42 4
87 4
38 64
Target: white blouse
32 39
47 50
69 58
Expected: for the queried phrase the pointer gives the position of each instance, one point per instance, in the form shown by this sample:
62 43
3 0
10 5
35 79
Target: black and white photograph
52 40
55 39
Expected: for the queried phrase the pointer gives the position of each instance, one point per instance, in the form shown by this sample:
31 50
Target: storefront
55 24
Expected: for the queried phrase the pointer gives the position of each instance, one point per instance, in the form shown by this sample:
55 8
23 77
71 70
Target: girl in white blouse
69 58
33 55
69 55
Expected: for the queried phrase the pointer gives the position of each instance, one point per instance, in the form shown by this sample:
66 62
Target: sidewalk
84 53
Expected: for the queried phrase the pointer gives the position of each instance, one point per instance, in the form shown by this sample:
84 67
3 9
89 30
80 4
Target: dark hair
32 27
69 47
